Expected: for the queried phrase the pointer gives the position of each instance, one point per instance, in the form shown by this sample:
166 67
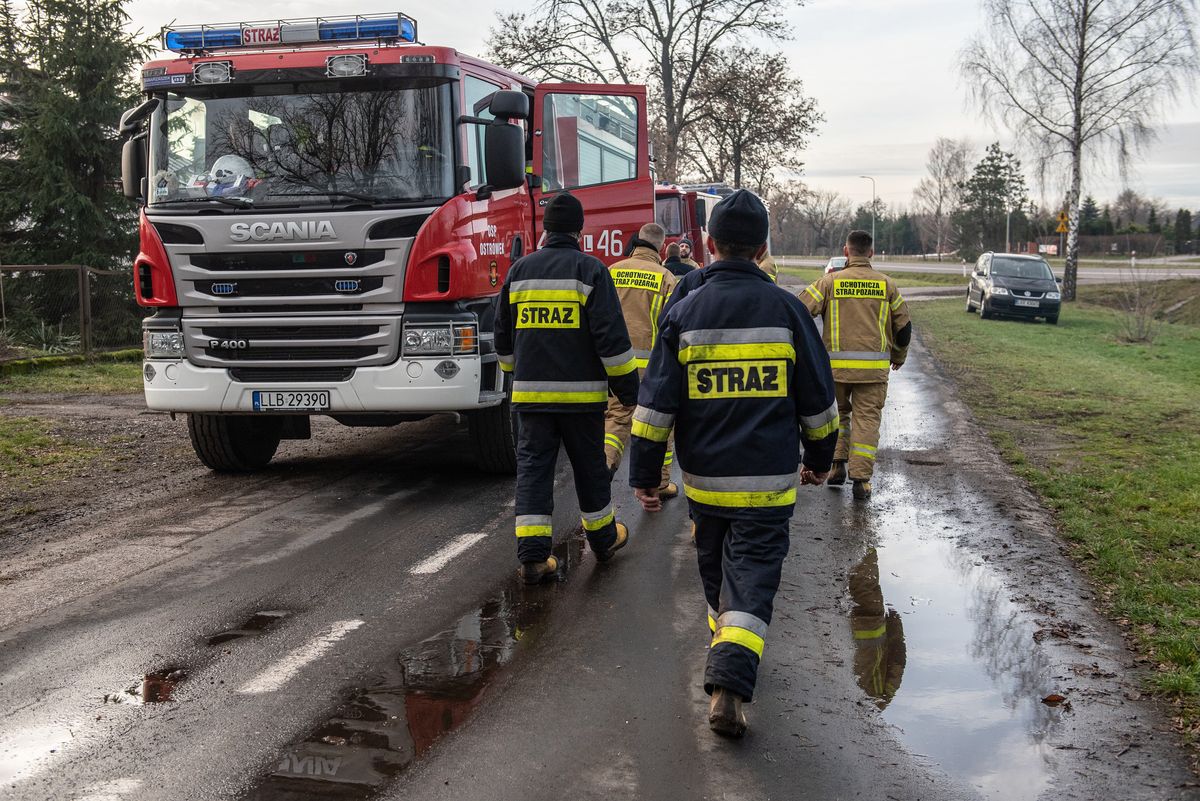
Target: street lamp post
1007 228
872 180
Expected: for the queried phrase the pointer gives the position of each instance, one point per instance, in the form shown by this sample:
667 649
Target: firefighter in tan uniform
768 266
643 286
867 331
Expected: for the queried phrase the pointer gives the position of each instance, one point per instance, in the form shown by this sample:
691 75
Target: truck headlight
999 290
1053 296
163 344
450 339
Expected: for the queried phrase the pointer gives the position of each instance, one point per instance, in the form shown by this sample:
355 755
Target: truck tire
234 443
494 438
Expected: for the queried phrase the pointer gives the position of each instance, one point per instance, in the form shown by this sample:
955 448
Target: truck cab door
593 141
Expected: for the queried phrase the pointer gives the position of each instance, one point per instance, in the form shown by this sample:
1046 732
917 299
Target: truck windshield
312 144
668 212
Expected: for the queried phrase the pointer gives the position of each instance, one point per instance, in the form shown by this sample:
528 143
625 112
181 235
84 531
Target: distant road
1087 275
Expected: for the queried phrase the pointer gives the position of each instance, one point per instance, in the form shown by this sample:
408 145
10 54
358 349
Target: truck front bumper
402 387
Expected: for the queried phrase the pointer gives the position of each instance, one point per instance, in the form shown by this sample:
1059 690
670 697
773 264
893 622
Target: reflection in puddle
424 692
973 675
878 634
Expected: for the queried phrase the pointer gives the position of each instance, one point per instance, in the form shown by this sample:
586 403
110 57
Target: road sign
1062 227
1062 217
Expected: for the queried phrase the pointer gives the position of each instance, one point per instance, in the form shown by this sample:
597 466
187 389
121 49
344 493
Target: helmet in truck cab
229 172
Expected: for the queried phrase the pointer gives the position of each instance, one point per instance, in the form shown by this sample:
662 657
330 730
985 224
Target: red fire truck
329 208
683 211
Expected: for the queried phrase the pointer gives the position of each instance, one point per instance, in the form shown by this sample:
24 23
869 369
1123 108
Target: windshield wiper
236 202
332 193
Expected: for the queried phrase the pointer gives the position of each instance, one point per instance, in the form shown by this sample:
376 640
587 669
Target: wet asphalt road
350 627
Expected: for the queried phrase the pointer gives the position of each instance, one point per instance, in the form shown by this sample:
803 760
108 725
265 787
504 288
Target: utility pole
1007 228
872 180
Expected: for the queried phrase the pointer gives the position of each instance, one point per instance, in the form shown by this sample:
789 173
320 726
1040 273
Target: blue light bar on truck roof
359 27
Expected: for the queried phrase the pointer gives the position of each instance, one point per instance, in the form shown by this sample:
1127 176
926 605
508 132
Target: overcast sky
882 71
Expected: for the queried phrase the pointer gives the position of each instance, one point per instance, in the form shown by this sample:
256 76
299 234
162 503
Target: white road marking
111 791
442 558
282 671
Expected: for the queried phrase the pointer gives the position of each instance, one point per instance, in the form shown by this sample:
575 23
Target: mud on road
346 624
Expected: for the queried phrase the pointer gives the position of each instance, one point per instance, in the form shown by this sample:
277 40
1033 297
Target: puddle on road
944 653
257 624
423 693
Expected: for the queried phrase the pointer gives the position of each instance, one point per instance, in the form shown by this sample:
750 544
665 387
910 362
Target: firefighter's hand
649 499
809 477
896 366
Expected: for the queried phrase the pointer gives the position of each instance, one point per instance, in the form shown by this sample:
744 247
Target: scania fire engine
328 210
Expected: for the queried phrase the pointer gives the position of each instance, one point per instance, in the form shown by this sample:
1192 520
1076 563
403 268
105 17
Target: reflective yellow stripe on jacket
560 392
748 491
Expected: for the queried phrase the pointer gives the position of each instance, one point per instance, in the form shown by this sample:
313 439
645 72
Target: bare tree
786 201
827 213
754 117
939 194
664 42
1077 78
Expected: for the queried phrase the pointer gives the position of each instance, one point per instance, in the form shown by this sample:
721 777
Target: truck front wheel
493 438
234 443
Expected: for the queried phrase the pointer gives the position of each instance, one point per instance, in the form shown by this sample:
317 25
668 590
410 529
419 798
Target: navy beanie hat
564 214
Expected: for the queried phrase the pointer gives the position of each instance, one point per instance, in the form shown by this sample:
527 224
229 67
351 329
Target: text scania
267 231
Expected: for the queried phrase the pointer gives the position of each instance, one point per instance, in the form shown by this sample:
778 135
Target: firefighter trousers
618 420
740 561
539 435
860 407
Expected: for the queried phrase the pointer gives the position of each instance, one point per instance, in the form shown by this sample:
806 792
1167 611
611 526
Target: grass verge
1107 434
32 451
97 378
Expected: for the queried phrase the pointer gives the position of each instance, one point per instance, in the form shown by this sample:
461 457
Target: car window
1021 268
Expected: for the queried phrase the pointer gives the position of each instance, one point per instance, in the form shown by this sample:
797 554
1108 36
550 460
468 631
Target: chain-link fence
51 309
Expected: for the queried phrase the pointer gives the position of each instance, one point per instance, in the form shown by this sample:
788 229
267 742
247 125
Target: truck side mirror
504 155
134 155
508 105
131 120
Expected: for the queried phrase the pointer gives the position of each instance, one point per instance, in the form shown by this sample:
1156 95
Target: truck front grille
286 260
309 342
288 287
287 354
292 375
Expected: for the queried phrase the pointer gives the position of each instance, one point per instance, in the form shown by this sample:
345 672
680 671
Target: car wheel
1052 320
970 305
985 311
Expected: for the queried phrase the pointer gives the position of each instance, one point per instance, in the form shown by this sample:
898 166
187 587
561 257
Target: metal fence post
85 311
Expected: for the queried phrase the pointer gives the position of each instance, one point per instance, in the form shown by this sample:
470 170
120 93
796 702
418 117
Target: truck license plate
289 400
1033 304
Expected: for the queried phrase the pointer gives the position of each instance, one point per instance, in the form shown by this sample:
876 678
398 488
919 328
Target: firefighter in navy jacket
740 371
560 332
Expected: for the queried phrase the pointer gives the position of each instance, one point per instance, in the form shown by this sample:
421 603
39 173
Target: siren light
359 27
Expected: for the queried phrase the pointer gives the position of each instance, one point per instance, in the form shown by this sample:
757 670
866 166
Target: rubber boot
618 544
668 491
862 490
837 476
725 715
537 572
